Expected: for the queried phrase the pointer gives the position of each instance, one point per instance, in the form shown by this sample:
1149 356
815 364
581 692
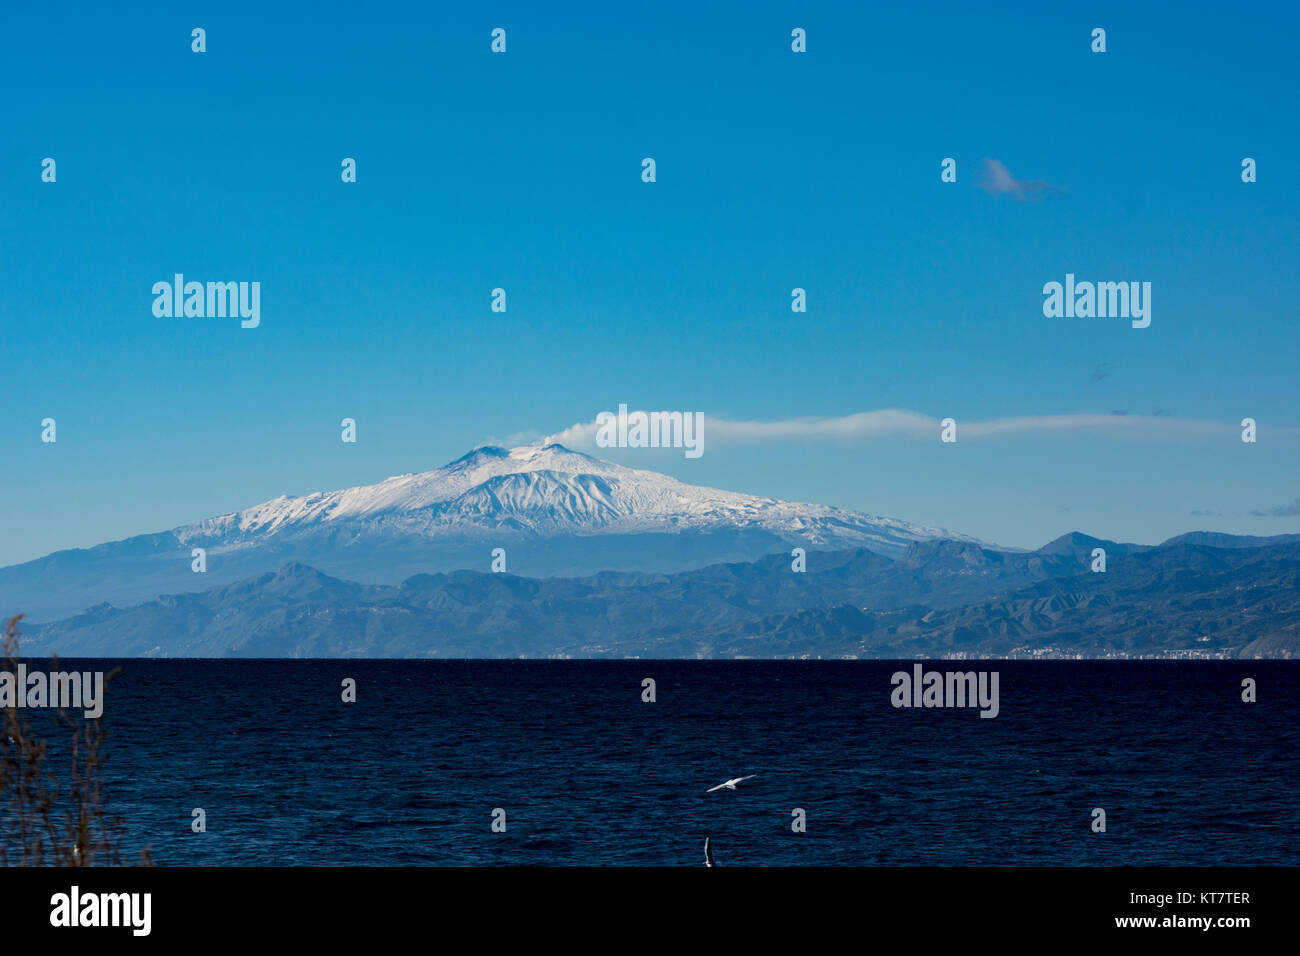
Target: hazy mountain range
938 597
604 560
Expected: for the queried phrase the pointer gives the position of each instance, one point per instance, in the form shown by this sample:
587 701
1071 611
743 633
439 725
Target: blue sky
775 170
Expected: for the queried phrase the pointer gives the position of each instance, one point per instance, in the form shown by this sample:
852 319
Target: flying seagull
708 853
731 784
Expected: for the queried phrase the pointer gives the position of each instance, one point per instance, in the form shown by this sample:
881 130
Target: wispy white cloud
998 181
865 426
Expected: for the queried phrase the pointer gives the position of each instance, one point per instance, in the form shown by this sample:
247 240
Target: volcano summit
556 511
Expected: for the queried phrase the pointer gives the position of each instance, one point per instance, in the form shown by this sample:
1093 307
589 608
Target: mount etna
606 560
555 511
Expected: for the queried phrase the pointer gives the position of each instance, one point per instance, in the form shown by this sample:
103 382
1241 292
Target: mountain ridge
1181 598
554 510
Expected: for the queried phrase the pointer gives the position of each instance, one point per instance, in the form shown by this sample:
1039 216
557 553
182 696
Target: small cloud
998 181
1101 372
1206 514
1119 411
1281 511
1159 413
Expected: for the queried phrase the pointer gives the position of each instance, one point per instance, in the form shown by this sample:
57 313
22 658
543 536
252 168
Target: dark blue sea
589 774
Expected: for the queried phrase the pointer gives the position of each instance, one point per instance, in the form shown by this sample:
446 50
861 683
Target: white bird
708 853
731 784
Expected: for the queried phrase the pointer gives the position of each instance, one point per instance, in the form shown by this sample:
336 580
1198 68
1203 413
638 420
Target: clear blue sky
522 170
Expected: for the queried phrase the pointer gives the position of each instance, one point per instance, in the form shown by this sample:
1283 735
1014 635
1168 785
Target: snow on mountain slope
556 511
550 490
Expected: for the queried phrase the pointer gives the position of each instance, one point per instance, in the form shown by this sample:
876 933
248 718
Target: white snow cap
550 489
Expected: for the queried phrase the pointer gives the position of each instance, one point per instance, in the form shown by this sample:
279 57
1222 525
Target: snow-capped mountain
549 490
554 510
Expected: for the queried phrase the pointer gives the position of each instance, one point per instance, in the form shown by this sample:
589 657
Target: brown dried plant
46 821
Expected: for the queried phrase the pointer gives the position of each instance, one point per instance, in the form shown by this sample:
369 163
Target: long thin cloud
910 424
